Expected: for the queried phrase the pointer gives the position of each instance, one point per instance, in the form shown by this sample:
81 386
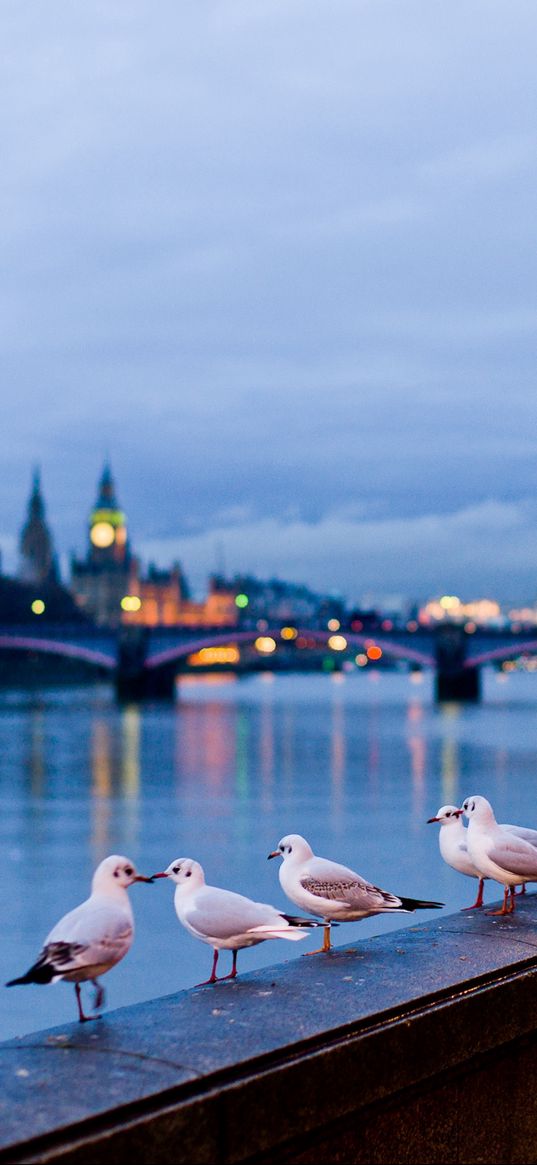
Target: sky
276 260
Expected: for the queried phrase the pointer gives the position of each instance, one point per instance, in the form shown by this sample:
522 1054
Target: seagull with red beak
93 937
453 847
223 919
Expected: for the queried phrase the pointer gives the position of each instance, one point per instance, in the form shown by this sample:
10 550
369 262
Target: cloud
488 549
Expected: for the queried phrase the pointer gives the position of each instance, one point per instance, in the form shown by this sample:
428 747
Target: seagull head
293 847
479 809
116 871
447 815
184 872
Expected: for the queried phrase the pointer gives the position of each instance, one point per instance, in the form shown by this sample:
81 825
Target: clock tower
107 525
101 580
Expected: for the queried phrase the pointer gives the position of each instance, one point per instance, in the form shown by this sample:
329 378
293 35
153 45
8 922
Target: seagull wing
514 855
326 879
95 933
221 914
521 831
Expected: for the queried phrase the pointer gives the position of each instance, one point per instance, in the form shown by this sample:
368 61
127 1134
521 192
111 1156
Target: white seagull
453 847
223 919
452 840
496 853
332 891
93 937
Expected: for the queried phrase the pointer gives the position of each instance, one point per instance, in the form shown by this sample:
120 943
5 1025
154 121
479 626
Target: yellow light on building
337 642
333 624
450 602
227 653
38 607
131 603
288 632
265 644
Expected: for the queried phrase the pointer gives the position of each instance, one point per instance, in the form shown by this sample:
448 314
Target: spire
106 497
37 558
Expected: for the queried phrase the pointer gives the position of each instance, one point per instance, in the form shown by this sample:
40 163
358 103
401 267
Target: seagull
333 891
453 847
496 853
225 920
452 840
93 937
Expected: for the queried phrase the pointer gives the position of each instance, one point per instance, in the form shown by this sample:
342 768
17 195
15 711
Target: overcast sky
276 258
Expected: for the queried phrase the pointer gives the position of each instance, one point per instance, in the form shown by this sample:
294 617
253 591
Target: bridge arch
527 647
73 651
180 651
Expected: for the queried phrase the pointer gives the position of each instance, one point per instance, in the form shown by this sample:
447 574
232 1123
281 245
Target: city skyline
106 494
274 261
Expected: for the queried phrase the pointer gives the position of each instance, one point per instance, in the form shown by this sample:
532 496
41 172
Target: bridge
144 662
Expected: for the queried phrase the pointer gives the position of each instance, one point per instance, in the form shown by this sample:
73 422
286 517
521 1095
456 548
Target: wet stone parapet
418 1045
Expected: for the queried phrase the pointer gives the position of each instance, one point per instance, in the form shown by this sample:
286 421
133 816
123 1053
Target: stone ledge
228 1073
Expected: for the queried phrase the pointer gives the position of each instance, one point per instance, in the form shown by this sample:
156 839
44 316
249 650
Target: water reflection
450 713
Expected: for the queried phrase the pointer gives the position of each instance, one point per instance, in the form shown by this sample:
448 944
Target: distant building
37 560
101 580
273 600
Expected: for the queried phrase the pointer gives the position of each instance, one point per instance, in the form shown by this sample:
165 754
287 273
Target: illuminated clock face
102 534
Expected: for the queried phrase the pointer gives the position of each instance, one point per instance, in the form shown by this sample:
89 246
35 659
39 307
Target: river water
356 763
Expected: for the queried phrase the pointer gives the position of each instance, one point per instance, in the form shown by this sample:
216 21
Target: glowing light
387 625
131 603
227 653
412 625
337 642
333 624
288 632
356 625
361 659
102 534
241 600
450 602
265 644
374 652
38 607
470 628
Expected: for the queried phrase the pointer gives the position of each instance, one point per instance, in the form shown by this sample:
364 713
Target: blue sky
277 260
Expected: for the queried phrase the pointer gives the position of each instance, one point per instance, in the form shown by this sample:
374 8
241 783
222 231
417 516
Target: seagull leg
82 1018
233 973
327 946
479 900
99 995
505 908
522 889
213 978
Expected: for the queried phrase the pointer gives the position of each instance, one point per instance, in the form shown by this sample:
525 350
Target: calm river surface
356 763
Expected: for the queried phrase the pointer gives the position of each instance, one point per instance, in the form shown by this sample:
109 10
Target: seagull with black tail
93 937
332 891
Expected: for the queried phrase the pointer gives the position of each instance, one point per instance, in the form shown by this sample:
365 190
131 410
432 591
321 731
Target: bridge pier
453 680
135 681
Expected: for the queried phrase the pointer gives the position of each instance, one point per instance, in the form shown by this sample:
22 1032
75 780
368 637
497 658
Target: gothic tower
107 525
36 551
103 578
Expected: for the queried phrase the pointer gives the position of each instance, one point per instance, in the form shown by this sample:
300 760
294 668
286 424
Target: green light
38 607
114 517
241 600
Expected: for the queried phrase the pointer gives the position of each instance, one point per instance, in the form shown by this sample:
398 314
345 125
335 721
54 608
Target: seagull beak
140 878
162 875
458 813
431 819
275 854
